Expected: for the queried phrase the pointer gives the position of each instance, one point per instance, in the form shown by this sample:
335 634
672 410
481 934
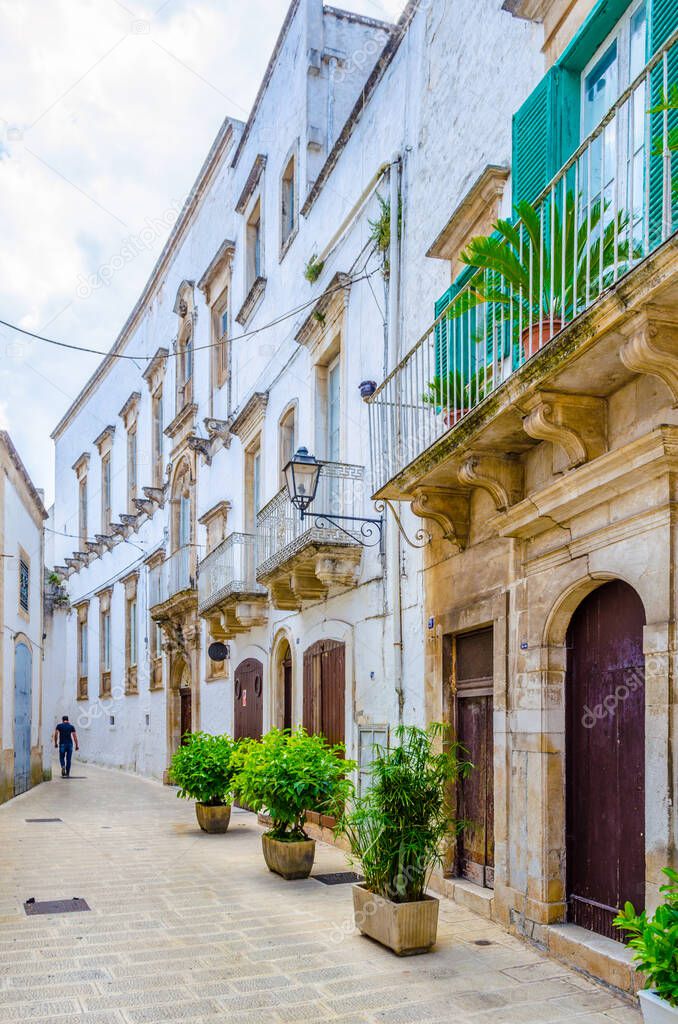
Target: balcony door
613 168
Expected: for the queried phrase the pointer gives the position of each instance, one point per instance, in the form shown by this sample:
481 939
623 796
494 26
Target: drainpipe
330 101
394 344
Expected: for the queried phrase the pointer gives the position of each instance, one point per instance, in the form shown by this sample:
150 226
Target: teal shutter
455 345
545 132
663 20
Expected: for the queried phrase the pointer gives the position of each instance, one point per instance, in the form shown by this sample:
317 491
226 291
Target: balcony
172 584
302 560
229 596
561 308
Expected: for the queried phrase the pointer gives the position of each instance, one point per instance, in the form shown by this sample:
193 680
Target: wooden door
287 692
23 672
249 700
185 697
325 689
473 675
605 757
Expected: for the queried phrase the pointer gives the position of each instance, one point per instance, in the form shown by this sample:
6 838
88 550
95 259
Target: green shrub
204 768
655 940
397 830
313 268
287 773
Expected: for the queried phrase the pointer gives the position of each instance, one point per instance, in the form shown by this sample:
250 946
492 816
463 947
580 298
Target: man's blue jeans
65 755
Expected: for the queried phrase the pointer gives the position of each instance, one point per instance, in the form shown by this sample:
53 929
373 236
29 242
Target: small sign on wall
244 698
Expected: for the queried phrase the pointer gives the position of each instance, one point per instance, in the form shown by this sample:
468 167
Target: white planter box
656 1010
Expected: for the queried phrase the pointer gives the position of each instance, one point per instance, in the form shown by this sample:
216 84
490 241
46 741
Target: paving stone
190 927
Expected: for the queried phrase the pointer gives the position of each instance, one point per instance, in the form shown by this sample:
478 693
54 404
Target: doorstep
604 959
467 894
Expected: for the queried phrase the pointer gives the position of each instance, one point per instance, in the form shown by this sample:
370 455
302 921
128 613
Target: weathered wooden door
324 690
473 676
249 699
287 691
605 757
23 672
185 697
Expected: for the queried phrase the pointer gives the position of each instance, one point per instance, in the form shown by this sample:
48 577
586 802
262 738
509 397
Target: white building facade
24 744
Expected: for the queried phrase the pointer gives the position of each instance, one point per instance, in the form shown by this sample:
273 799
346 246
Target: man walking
64 735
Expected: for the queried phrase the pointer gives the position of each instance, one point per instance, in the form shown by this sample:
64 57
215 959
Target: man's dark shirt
65 730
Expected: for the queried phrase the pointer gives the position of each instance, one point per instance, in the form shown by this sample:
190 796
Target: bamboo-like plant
546 264
397 829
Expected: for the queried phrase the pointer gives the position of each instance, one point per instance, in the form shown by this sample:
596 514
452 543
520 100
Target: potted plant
397 830
542 270
283 774
204 768
448 394
655 941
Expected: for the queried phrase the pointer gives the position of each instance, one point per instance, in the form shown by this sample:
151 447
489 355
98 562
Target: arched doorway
23 674
281 678
180 703
605 757
248 696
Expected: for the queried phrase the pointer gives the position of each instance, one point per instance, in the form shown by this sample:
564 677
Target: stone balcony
304 560
172 585
229 596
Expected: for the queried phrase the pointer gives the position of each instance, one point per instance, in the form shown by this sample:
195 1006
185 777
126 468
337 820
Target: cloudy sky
107 110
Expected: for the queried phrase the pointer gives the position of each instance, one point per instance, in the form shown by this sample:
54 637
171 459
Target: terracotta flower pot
291 860
213 819
451 416
406 928
531 335
656 1010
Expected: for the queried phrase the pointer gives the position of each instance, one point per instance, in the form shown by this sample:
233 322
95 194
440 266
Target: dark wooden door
287 692
249 700
185 698
475 799
605 757
325 689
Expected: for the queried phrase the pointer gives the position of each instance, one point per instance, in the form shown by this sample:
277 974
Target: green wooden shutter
545 132
663 20
455 338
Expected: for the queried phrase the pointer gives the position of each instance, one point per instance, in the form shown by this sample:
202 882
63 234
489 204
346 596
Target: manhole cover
42 820
339 878
32 907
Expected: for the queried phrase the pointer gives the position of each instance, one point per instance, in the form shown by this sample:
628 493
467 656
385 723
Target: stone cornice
155 370
251 183
184 418
314 324
251 301
15 460
251 417
222 508
474 215
128 413
81 465
105 439
219 261
529 10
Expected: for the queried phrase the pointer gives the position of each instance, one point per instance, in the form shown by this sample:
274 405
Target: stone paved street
190 927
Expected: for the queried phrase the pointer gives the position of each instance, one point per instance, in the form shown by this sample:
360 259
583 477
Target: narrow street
188 926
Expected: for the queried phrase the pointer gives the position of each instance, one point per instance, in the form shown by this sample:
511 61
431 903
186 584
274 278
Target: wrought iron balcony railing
172 576
227 571
611 205
281 532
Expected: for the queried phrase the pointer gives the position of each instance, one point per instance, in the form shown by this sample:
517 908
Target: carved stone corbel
448 508
219 431
202 446
574 424
502 478
652 348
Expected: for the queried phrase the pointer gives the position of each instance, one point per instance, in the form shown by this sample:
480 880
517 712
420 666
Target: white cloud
106 113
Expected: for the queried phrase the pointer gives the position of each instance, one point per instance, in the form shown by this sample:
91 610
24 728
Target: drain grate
482 942
339 878
32 907
33 821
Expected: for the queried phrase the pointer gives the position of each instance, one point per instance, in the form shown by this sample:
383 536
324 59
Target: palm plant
445 391
397 830
545 265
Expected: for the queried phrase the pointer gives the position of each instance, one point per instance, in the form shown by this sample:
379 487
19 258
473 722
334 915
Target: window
287 432
82 652
131 467
254 247
132 614
288 205
105 492
184 536
158 427
333 412
82 509
105 643
24 584
220 324
252 486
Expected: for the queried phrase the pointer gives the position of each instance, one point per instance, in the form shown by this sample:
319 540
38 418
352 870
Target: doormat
42 820
32 907
339 878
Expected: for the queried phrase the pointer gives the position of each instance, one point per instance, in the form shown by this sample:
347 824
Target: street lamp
302 473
